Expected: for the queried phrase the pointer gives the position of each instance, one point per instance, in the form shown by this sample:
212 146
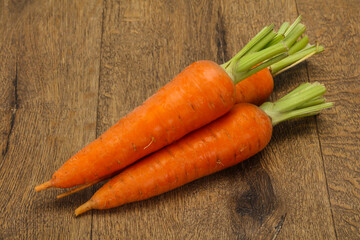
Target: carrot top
242 65
305 100
277 51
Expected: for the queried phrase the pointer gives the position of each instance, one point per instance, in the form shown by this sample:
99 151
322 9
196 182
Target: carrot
236 136
255 89
201 93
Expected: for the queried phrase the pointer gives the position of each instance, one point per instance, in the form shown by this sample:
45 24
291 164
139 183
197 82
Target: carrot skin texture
236 136
255 89
201 93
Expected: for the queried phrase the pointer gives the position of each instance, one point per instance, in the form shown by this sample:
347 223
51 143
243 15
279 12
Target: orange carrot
255 89
201 93
236 136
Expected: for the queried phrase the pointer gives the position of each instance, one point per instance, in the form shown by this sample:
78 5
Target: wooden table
71 69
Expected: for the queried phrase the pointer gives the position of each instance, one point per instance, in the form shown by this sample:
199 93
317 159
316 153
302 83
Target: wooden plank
287 194
58 53
337 26
145 45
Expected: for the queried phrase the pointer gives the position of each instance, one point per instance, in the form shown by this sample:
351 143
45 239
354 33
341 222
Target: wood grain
7 79
337 26
54 92
71 69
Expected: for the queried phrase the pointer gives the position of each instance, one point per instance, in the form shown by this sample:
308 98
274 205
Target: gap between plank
220 38
323 165
98 100
279 226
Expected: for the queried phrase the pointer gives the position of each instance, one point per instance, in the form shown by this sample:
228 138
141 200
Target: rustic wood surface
71 69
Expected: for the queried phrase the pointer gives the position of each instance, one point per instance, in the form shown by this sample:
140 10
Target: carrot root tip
84 208
44 186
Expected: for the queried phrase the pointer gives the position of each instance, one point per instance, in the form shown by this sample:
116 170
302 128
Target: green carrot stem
251 60
299 45
306 100
294 34
299 113
294 59
313 102
263 33
280 35
278 38
284 31
299 98
283 28
262 43
295 91
240 76
291 34
296 22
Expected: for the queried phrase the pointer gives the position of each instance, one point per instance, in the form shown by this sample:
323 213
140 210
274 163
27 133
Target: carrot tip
44 186
84 208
